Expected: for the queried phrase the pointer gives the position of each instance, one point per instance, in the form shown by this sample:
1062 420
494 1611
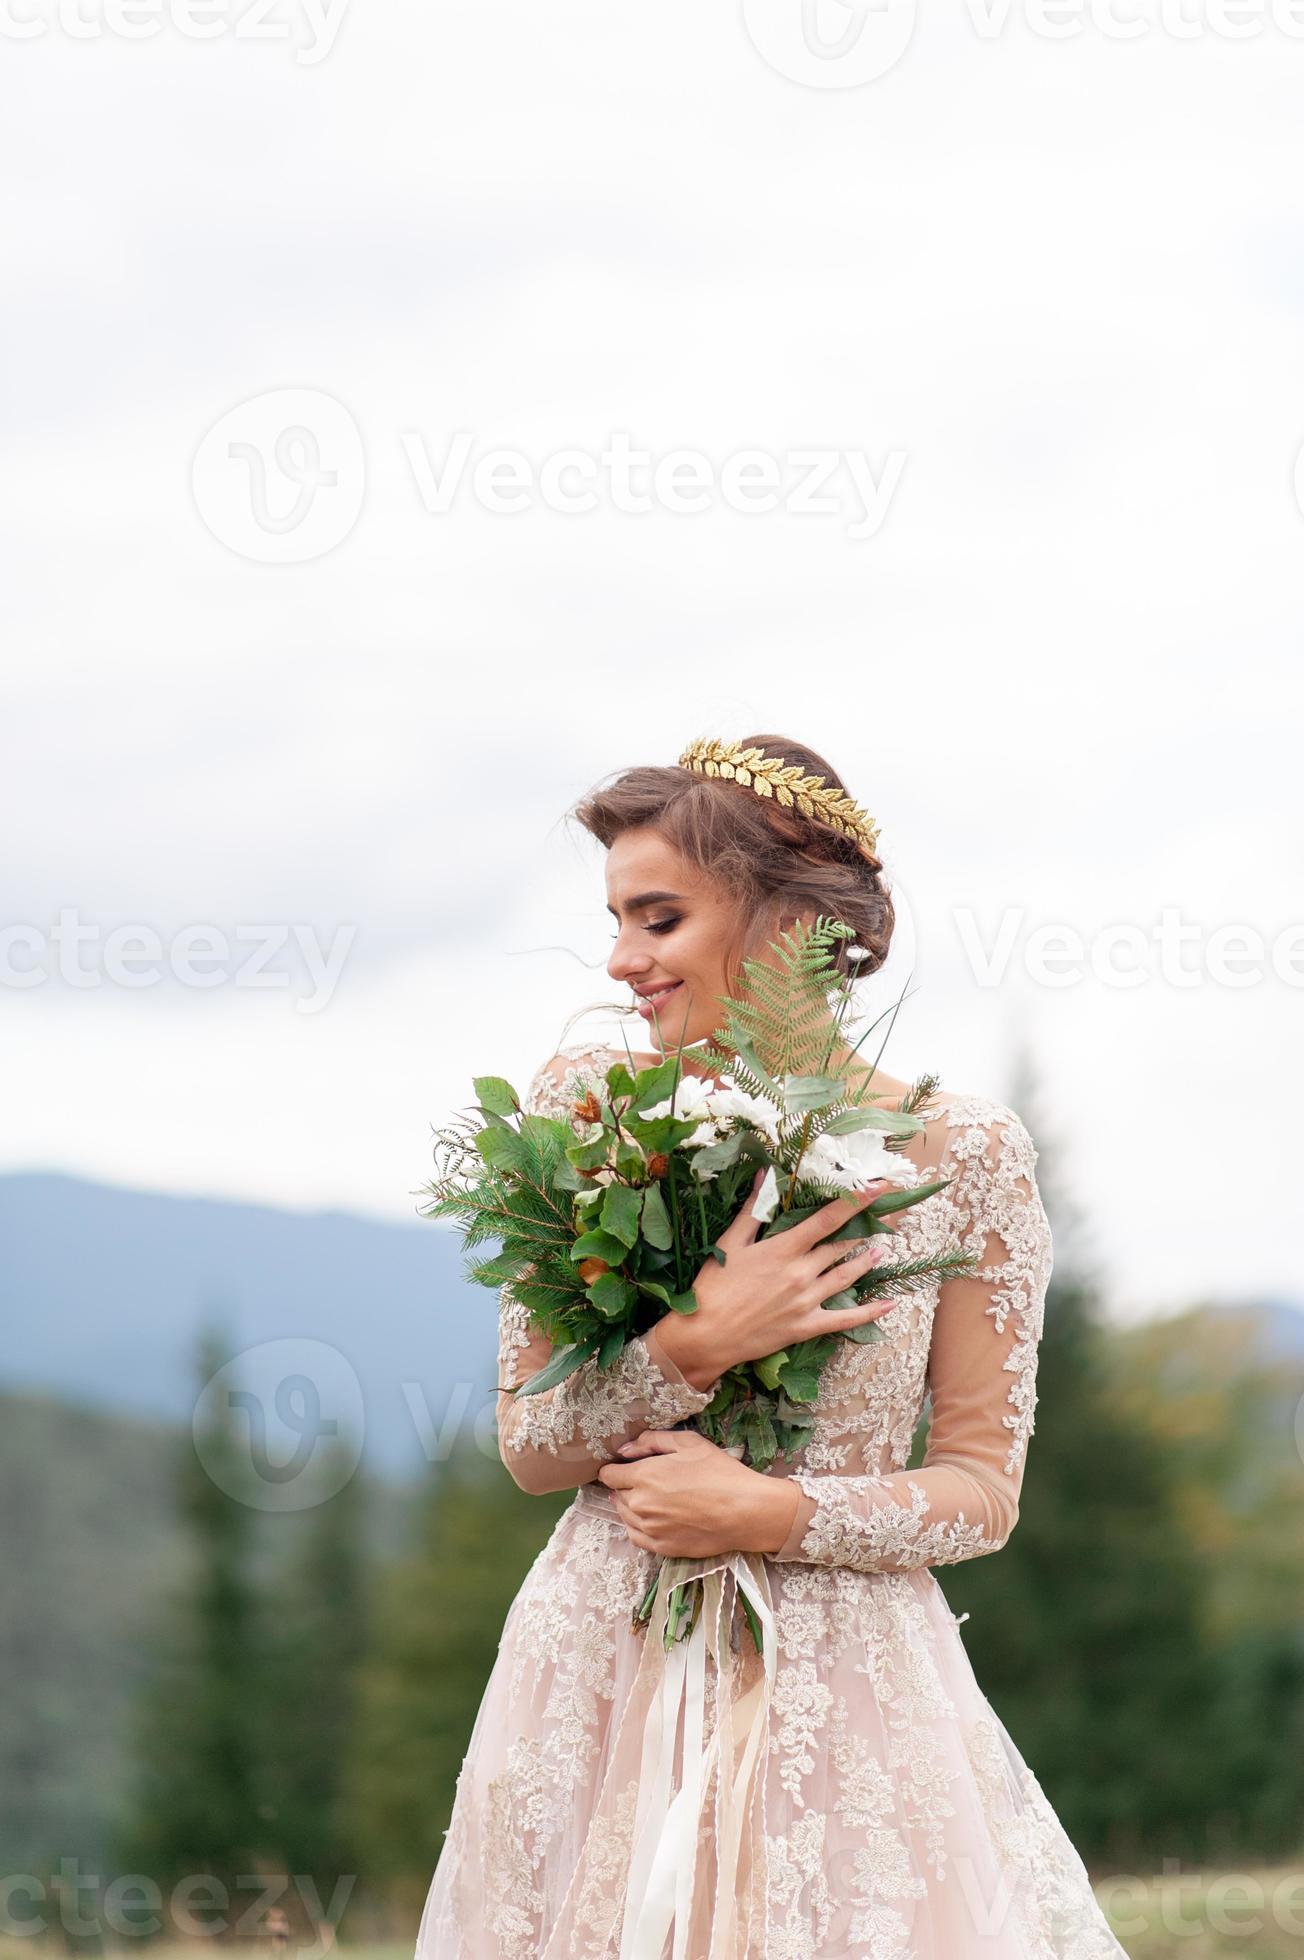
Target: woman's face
675 929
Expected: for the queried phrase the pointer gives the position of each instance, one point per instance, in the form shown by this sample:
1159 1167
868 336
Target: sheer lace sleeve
561 1438
982 1374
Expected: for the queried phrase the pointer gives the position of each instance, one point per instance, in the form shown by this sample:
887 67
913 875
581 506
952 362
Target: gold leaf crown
786 783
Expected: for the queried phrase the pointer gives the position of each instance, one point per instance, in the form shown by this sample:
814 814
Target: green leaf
564 1362
598 1245
747 1055
807 1092
502 1150
770 1368
661 1133
801 1383
590 1156
891 1121
657 1229
612 1343
684 1302
653 1085
630 1161
619 1080
611 1295
899 1200
496 1095
620 1211
713 1158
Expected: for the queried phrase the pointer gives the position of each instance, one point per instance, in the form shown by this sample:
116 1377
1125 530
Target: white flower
850 1161
738 1105
690 1100
766 1201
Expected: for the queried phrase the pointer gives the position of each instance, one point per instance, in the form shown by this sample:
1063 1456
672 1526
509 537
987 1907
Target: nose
626 963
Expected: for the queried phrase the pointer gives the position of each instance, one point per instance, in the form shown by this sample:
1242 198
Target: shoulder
980 1133
556 1082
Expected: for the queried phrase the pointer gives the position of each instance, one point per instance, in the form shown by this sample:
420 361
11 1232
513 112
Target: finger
864 1259
654 1442
837 1319
618 1476
833 1252
743 1228
832 1215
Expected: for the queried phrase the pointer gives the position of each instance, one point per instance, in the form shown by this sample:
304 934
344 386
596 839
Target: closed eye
655 925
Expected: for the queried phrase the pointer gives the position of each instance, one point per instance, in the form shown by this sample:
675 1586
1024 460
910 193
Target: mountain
335 1318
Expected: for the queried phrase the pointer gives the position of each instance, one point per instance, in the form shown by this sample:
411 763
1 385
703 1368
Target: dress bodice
872 1395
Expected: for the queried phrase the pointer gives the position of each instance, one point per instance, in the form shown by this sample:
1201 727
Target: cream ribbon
666 1836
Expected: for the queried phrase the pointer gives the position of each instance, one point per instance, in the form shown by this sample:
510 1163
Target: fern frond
783 1014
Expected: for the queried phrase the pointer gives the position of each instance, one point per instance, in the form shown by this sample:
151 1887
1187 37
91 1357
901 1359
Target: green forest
262 1694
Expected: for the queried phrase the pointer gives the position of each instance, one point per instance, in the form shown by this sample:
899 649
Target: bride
848 1793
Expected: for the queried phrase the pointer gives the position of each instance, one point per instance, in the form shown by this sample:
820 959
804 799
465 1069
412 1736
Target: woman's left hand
680 1495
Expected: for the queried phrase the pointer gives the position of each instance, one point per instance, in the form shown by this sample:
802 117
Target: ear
787 920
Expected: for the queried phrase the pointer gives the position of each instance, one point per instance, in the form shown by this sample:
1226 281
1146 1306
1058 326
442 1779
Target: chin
673 1035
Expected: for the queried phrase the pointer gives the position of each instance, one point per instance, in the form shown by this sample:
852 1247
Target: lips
652 999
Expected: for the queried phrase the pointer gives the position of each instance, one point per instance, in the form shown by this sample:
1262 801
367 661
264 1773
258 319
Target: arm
964 1501
561 1439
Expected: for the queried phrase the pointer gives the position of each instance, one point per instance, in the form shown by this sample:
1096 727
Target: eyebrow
648 898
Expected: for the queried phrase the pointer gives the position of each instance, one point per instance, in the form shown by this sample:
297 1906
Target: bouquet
601 1230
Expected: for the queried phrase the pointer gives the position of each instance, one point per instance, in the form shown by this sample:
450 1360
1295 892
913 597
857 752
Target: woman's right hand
770 1292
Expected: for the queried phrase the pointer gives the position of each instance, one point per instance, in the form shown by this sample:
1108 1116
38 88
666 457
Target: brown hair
770 858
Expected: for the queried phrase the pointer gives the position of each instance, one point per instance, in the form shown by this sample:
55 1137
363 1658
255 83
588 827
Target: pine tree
1088 1631
439 1620
318 1622
197 1807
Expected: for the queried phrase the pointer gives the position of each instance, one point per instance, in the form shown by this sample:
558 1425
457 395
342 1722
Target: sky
415 413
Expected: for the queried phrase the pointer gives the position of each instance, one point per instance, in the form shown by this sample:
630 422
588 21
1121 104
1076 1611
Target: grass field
1248 1915
1252 1915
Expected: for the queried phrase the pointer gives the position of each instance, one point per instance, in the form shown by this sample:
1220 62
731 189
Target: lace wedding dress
887 1814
